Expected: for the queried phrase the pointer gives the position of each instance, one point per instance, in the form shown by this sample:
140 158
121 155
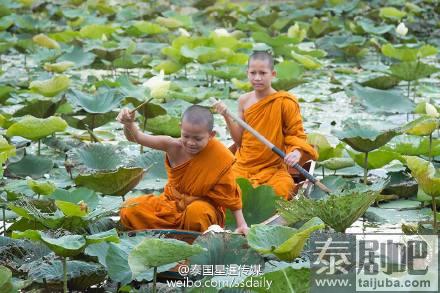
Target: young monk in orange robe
200 180
275 115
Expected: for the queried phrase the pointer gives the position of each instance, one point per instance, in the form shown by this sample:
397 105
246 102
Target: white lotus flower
184 32
221 32
104 38
431 110
158 85
402 29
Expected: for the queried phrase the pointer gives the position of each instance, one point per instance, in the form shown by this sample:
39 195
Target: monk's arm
158 142
235 129
242 226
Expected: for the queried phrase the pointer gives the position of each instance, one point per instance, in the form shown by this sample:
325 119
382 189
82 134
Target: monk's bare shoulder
246 100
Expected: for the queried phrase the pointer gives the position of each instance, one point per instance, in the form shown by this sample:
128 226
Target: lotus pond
366 74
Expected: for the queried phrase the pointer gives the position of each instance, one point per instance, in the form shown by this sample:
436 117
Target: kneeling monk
200 181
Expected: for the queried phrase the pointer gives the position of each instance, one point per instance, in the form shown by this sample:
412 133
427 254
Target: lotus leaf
337 163
405 53
425 174
44 41
103 101
385 101
51 87
383 82
128 89
117 183
168 66
288 70
156 177
84 120
369 27
99 156
169 22
284 242
96 31
391 13
43 188
414 146
30 165
258 203
285 280
149 28
79 57
376 159
424 125
106 236
364 138
76 196
6 150
66 246
307 61
153 252
70 209
40 107
34 128
338 211
58 67
414 70
164 124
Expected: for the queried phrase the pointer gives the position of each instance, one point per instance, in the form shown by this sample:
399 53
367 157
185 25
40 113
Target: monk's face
260 74
195 137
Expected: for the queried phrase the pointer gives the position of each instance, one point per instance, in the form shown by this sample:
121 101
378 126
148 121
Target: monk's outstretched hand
292 158
220 108
125 116
242 229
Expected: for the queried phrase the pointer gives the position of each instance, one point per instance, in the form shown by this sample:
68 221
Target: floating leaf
284 242
153 252
79 57
103 101
51 87
30 165
384 82
34 128
117 183
44 41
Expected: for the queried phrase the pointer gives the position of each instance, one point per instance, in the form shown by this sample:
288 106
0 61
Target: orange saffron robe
195 196
278 118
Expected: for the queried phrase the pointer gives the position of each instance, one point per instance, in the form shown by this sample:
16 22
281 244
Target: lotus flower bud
431 110
158 86
402 29
183 32
221 32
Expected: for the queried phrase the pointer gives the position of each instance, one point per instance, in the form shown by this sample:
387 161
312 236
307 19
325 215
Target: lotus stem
430 147
323 173
154 279
4 219
123 198
434 213
366 168
39 147
65 274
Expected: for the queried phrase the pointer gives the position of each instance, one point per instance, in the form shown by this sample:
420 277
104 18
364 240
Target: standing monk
200 180
275 115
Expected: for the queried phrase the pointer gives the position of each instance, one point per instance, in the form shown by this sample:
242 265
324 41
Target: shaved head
199 115
263 56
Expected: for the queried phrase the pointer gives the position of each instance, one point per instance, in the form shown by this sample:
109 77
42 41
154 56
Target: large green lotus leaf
364 138
5 279
425 174
51 87
81 275
279 41
285 280
325 149
117 183
225 249
157 176
391 13
30 165
44 41
75 196
413 70
43 188
405 53
67 36
383 82
40 108
84 120
227 72
148 110
335 183
168 66
381 101
338 211
307 61
164 124
106 236
98 156
284 84
376 159
103 101
284 242
59 67
370 27
410 145
149 28
66 246
337 163
288 70
424 125
79 57
71 209
128 89
153 252
34 128
258 203
96 31
6 150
